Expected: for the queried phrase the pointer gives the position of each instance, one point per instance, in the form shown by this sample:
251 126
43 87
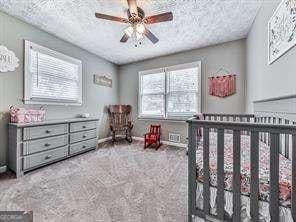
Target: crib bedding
284 168
285 214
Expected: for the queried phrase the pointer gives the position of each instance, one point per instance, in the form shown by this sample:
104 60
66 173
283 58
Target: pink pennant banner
222 86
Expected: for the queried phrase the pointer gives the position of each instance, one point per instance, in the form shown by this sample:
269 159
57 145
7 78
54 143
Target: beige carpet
121 182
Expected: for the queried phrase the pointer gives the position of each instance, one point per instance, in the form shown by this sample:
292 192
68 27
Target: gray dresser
38 144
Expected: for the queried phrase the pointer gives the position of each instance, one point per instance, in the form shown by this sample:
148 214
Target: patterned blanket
285 171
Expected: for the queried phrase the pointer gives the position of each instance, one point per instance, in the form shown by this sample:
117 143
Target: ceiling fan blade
124 38
133 8
111 18
151 36
164 17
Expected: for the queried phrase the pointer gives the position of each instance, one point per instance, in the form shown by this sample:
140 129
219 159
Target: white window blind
172 92
182 91
152 93
51 77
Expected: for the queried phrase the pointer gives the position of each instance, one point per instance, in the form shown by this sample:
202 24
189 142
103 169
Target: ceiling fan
137 21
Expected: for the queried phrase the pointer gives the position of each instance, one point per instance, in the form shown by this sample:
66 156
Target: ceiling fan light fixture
139 36
129 31
140 28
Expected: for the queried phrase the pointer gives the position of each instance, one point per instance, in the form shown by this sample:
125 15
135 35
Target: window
51 77
172 92
152 93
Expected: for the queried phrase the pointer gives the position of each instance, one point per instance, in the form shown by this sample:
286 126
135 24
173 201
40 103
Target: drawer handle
48 131
84 136
48 157
83 127
47 144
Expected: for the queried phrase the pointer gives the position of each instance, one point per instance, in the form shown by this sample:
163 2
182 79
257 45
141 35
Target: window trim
166 70
28 77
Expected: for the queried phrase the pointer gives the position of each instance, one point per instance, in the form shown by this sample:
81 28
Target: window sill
179 120
54 103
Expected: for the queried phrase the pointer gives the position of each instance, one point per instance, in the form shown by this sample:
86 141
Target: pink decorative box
22 115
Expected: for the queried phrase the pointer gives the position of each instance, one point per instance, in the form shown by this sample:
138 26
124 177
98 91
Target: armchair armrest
130 124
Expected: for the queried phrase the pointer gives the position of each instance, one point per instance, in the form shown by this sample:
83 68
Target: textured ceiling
197 23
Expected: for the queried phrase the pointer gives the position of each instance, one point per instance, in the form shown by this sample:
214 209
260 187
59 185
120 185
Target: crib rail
285 140
229 117
255 129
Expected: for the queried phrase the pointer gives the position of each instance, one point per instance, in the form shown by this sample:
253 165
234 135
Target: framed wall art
282 30
8 60
103 81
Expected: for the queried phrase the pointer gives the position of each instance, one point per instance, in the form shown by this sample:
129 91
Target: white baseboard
3 169
184 145
103 140
138 138
164 142
106 139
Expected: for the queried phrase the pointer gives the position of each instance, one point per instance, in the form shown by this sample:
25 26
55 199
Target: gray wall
231 55
267 81
95 98
284 107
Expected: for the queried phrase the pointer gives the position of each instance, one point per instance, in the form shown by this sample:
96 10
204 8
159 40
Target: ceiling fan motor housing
134 18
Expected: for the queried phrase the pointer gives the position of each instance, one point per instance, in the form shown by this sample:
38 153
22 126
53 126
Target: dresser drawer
34 146
80 136
83 146
79 126
39 159
44 131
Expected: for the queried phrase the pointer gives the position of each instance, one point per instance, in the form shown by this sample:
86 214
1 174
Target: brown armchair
120 121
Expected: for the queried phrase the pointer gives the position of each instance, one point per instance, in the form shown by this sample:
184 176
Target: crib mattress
284 168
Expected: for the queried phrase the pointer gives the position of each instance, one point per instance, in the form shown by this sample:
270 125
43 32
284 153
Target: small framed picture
103 81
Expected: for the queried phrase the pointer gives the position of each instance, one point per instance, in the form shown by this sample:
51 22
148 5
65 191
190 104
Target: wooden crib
276 134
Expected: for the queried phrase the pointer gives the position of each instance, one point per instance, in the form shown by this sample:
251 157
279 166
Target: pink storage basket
22 115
